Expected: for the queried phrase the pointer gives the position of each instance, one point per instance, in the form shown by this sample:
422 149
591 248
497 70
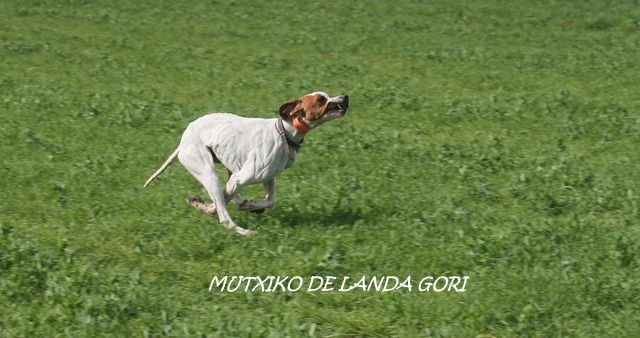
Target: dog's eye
322 99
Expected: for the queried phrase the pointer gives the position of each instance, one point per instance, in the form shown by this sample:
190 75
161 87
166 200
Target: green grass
494 139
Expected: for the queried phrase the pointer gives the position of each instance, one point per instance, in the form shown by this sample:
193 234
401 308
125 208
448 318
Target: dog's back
232 138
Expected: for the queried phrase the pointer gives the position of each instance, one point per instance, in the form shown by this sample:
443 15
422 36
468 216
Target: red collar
302 126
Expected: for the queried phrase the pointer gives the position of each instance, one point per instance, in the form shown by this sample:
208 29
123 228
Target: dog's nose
345 101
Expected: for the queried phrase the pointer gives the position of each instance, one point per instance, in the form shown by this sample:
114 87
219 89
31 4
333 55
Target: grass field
492 139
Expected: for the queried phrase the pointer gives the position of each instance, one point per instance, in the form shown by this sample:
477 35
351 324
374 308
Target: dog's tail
163 167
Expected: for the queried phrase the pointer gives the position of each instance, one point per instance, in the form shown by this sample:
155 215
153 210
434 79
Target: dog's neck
294 133
301 124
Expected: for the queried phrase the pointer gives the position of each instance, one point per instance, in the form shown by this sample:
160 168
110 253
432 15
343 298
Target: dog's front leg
267 202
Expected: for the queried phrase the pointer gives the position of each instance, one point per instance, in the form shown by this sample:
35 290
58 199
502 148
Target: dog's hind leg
210 208
199 162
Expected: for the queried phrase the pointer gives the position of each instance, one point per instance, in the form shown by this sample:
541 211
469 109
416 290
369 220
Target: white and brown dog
253 150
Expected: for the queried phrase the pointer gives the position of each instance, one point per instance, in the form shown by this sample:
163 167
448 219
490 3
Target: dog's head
315 108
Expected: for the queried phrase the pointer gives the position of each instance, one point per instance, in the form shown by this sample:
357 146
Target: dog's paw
198 203
244 232
194 200
245 205
253 206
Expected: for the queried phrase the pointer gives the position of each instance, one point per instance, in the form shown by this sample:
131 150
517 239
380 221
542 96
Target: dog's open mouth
339 108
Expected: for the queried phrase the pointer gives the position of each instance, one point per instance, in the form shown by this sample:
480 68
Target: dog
253 150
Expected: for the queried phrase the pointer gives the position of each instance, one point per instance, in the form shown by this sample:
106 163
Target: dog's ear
289 109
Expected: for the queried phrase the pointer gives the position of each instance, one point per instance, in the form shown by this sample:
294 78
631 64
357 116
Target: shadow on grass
327 218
